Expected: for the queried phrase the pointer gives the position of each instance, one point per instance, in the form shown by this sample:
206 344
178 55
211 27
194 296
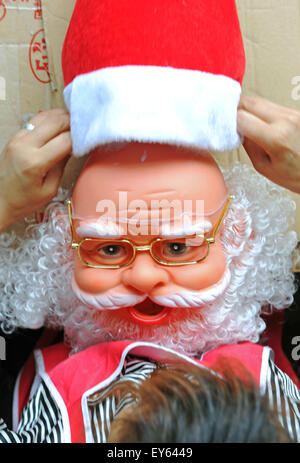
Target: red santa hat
166 71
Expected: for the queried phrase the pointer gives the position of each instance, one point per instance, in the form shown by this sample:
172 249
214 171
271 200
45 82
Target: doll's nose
144 274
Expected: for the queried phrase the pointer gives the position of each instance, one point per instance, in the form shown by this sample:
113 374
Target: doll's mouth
148 312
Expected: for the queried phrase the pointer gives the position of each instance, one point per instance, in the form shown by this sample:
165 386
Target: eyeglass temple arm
225 210
145 248
74 244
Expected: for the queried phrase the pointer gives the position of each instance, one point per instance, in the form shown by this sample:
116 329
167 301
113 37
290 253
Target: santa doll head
164 248
156 242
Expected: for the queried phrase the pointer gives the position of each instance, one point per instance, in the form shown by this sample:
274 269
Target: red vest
71 379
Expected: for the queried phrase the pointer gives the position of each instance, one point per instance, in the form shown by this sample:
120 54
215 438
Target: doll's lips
148 312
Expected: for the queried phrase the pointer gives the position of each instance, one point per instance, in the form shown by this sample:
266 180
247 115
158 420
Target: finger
260 160
56 150
257 130
53 178
263 109
48 128
257 155
24 131
40 118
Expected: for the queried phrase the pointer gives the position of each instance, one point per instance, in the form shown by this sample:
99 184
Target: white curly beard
186 316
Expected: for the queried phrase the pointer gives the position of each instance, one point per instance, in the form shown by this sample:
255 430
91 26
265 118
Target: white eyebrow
99 229
201 227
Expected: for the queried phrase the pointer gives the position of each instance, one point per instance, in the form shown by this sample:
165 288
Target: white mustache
190 299
110 300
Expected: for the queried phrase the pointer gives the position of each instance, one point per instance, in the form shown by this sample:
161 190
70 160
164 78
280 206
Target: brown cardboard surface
23 65
271 31
25 85
56 16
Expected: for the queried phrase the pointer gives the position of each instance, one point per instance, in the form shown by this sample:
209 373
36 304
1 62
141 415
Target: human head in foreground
191 308
186 404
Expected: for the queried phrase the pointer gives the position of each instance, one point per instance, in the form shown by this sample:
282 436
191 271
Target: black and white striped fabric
41 420
284 396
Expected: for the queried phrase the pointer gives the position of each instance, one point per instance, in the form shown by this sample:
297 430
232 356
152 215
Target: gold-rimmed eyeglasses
118 253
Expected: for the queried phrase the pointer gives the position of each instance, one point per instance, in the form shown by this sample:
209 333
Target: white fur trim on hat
153 104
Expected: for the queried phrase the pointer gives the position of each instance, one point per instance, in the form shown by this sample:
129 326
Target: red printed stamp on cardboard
2 10
38 57
38 9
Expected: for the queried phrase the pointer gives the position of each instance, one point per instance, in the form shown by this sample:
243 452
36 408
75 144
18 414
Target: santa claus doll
158 255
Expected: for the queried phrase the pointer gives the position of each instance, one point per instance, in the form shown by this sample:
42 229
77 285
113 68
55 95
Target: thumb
255 129
257 155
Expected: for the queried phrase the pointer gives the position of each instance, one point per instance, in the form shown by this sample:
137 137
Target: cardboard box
56 17
26 84
271 30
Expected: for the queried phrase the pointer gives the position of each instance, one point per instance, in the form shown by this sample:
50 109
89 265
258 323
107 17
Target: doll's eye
181 250
111 250
108 253
176 249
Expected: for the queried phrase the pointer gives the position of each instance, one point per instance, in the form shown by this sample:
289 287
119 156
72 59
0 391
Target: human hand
32 165
272 140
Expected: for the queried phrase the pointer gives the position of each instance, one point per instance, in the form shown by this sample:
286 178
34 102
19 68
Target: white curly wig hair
36 274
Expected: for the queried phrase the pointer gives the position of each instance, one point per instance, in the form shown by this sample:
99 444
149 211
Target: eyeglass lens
99 252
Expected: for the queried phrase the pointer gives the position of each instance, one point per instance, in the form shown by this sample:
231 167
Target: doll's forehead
150 174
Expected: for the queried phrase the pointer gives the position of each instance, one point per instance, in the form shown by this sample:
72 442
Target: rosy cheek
203 275
95 280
